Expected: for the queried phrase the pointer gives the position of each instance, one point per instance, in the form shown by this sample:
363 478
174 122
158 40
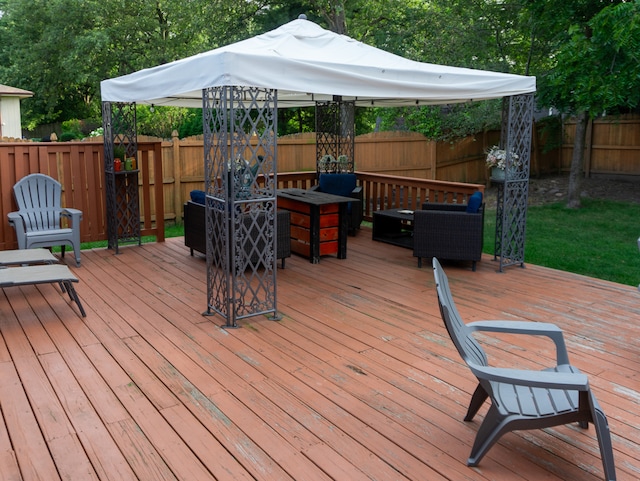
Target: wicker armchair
448 231
195 228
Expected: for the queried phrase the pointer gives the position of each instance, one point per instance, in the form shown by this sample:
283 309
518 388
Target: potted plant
497 162
119 154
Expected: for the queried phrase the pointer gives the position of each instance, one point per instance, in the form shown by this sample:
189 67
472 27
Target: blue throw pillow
474 203
197 196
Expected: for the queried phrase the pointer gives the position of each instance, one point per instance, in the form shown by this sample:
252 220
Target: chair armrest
74 214
17 221
14 218
541 379
546 329
443 223
444 206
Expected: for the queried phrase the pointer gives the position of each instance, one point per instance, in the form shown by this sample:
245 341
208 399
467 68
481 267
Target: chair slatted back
39 197
468 348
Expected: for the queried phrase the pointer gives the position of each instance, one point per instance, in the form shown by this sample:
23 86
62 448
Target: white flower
497 157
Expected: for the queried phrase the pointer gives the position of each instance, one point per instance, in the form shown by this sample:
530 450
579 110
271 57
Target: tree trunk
577 159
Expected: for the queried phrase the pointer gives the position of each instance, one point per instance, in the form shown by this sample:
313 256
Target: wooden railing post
159 191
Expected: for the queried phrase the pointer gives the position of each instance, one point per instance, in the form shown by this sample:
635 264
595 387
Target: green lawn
599 240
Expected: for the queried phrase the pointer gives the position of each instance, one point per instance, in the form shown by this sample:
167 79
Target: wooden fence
79 167
612 147
405 154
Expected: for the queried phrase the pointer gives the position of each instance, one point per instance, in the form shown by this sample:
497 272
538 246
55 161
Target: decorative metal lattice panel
335 136
123 206
240 125
513 192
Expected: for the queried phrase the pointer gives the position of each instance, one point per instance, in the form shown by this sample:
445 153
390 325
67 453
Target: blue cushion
474 202
197 196
337 184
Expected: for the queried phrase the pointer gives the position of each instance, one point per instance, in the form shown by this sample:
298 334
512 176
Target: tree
62 49
597 70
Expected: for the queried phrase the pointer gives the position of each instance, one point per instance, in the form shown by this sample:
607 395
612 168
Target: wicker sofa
195 228
448 231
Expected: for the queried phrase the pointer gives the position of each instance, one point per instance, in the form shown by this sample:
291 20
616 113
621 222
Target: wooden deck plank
209 407
358 381
31 450
395 403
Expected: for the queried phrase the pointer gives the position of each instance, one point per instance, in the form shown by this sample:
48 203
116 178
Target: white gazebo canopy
306 64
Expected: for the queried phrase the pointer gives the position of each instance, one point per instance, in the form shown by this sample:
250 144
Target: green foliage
445 123
599 240
67 137
294 121
550 130
119 152
71 129
191 123
61 50
598 68
160 121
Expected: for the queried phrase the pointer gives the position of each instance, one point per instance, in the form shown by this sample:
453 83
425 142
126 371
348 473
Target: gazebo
240 87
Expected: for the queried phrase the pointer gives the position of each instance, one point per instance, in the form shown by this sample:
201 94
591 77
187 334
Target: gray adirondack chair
522 399
37 221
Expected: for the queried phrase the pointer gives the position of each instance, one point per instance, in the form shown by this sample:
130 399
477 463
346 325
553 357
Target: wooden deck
358 381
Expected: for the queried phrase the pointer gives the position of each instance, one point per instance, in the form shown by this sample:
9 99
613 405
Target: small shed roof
6 91
307 63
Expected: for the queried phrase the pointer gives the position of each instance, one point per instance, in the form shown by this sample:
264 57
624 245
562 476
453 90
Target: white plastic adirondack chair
37 221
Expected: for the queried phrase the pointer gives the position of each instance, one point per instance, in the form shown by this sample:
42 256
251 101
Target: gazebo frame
513 191
297 64
122 202
335 136
240 128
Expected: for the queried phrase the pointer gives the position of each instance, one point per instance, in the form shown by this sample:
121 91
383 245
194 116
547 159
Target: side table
394 226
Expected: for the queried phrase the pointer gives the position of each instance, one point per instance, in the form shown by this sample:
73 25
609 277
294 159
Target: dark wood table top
313 197
396 213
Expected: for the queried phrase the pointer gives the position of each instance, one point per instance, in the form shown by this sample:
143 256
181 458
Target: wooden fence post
588 149
177 177
432 153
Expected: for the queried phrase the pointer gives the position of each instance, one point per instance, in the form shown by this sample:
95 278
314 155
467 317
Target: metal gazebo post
335 133
240 127
122 202
512 195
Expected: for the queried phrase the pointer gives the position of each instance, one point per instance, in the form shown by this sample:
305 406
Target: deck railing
381 192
